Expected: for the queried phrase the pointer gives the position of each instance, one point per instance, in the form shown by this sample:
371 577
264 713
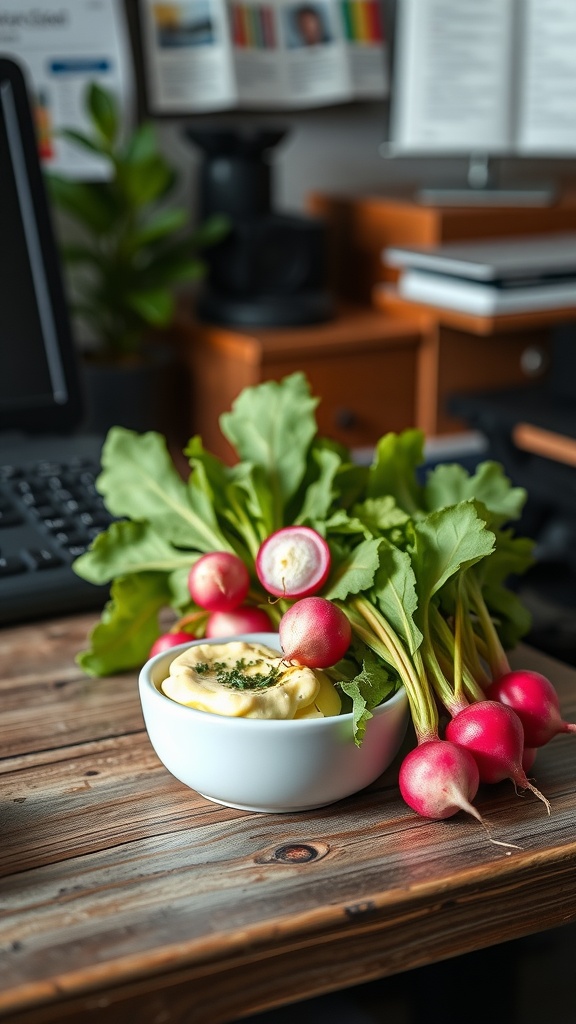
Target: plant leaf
393 470
142 145
155 307
158 226
207 490
450 483
512 619
320 493
380 515
139 481
272 425
85 141
143 183
395 593
88 202
103 109
128 626
355 572
127 547
366 690
212 231
447 541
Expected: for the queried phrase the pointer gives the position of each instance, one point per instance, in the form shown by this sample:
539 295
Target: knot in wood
295 853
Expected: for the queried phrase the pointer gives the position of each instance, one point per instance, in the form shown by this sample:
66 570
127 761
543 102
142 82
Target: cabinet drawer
362 395
468 363
361 366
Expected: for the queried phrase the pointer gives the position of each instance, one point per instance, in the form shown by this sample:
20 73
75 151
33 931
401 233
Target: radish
315 632
493 734
528 758
438 778
293 562
219 581
245 619
168 640
535 701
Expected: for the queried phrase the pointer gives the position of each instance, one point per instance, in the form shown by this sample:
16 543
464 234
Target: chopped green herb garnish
237 677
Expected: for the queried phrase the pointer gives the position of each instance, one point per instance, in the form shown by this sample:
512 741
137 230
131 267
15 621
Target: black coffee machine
270 270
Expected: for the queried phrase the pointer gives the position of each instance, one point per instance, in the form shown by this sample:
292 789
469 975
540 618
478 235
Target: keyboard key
68 537
47 511
10 517
22 487
75 550
11 565
8 472
95 518
55 523
46 468
43 558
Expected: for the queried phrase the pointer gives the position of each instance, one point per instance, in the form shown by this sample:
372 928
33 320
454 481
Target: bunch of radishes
492 733
293 563
488 739
218 583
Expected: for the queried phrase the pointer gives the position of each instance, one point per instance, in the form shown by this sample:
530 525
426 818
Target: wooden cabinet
460 354
362 366
382 363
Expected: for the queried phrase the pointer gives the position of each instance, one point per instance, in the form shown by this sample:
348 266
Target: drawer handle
346 419
533 361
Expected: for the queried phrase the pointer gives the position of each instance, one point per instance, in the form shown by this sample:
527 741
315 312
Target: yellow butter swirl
246 680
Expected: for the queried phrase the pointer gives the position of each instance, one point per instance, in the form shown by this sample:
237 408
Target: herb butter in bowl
231 719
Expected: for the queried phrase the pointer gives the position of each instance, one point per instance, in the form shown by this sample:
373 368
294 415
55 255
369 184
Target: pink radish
245 619
528 758
535 701
219 581
168 640
293 562
315 632
437 779
493 734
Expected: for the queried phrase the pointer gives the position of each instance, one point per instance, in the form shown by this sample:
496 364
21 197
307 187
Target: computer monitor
39 381
483 79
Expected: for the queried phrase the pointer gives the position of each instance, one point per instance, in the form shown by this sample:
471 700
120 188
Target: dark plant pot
137 394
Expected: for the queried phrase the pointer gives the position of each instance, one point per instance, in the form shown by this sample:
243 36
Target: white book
484 76
483 299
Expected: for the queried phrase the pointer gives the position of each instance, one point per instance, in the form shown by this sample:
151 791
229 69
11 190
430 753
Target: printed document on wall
62 46
187 56
202 55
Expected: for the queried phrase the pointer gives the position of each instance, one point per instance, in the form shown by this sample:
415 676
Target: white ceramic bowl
266 765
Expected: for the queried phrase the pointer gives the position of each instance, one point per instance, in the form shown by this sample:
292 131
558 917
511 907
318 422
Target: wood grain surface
124 895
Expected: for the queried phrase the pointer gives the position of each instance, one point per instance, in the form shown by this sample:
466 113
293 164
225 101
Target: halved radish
293 562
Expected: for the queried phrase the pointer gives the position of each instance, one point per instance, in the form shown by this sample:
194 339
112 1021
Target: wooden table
126 896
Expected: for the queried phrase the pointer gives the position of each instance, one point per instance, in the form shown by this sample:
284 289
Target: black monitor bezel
43 417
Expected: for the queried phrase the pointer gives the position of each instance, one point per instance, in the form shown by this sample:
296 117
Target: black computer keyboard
49 513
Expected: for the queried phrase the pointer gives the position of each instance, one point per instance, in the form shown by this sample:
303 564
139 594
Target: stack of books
493 276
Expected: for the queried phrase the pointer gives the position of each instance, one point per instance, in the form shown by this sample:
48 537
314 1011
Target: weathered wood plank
47 701
123 894
138 863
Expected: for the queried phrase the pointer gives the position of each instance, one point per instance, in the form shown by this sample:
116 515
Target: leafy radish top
418 568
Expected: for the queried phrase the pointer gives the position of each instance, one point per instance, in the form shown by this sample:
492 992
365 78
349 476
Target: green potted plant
128 254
